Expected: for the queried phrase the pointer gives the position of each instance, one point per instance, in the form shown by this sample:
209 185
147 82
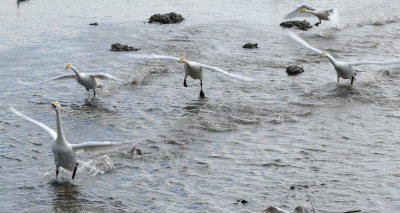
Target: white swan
192 68
343 69
274 209
307 11
87 80
64 152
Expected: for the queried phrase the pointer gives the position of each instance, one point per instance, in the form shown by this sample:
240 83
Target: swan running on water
64 152
87 80
307 11
192 68
343 69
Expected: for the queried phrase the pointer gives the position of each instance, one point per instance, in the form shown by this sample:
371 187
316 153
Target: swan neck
333 61
60 134
75 70
309 11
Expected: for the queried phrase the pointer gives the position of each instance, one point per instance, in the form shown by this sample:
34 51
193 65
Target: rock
167 18
120 47
302 25
242 201
94 24
250 45
137 151
294 70
300 209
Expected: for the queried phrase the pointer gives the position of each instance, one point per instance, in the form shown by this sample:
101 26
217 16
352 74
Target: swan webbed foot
73 174
202 94
316 24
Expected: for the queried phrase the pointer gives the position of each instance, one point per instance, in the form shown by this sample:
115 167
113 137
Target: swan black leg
352 80
56 173
201 90
184 83
73 174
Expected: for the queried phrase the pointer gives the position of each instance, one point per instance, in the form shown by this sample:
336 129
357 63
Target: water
249 141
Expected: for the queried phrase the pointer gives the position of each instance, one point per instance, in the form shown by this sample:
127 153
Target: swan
192 68
87 80
65 153
274 209
307 11
344 70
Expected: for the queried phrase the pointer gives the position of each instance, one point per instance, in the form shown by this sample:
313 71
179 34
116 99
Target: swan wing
334 18
60 77
302 42
297 12
51 132
226 73
381 63
94 146
152 57
104 76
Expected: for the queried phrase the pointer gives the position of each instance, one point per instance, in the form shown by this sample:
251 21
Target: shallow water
249 141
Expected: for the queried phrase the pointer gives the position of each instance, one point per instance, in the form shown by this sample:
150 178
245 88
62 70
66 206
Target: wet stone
250 45
242 201
302 25
294 70
121 47
94 24
167 18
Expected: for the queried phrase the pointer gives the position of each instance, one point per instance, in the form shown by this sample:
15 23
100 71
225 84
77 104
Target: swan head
68 66
303 10
182 60
56 105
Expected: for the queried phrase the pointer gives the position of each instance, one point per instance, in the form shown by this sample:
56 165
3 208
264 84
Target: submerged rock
167 18
294 70
250 45
242 201
94 24
302 25
121 47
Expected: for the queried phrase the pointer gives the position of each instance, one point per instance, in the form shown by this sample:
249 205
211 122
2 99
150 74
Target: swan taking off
87 80
64 152
307 11
343 69
192 69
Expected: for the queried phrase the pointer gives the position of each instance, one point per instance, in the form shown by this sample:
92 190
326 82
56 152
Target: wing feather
297 12
104 76
152 57
302 42
226 73
94 146
51 132
381 63
60 77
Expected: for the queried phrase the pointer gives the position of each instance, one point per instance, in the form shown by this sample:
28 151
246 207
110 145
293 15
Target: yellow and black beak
182 59
303 10
68 66
323 53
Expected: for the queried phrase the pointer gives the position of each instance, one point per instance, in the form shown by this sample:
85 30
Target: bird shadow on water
65 195
195 106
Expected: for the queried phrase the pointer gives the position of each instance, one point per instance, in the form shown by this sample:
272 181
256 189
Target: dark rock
300 209
242 201
250 45
137 151
294 70
292 188
167 18
302 25
94 24
120 47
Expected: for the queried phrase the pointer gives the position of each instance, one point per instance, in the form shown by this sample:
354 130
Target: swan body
87 80
308 11
64 152
343 70
192 68
274 209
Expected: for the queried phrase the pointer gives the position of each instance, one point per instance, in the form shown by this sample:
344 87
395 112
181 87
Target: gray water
249 141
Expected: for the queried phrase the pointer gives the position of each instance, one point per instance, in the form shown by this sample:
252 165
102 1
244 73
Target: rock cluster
302 25
294 70
250 45
167 18
121 47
